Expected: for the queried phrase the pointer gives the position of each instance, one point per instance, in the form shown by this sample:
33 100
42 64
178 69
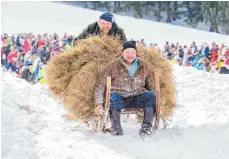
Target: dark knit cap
129 44
108 17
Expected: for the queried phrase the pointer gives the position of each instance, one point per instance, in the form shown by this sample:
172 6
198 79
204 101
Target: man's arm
82 35
122 35
119 32
90 28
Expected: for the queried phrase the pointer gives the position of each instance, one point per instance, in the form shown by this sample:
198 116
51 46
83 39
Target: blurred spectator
225 68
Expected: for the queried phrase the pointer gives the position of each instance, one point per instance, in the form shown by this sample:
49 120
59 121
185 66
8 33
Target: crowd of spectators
26 55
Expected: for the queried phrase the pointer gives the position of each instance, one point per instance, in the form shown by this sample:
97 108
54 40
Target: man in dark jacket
43 54
181 53
105 25
132 85
26 73
167 47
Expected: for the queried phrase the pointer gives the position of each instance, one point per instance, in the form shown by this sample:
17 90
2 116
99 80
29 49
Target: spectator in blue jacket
200 64
203 64
195 58
206 51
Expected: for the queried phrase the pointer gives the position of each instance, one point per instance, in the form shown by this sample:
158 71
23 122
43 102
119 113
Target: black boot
115 115
146 129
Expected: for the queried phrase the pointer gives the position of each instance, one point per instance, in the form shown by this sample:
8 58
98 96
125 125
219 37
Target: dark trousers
142 101
4 62
13 67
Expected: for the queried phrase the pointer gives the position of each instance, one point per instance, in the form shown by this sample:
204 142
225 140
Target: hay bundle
72 75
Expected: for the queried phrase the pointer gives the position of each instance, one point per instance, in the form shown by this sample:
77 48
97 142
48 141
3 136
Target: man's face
129 55
5 36
104 26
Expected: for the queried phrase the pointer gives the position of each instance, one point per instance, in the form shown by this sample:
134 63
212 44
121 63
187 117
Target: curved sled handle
157 115
108 92
103 116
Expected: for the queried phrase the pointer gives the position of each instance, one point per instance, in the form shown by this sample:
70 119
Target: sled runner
103 124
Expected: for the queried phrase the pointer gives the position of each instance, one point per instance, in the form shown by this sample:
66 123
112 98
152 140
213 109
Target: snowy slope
27 17
42 132
198 129
179 22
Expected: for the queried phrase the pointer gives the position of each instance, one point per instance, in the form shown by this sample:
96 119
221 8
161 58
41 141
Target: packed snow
33 126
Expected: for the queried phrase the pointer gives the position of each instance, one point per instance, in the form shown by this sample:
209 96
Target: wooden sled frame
103 117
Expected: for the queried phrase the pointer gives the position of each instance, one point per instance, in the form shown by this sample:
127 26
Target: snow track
43 133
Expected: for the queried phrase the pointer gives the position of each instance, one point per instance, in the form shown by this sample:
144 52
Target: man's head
30 66
213 44
105 22
5 35
129 51
222 45
45 35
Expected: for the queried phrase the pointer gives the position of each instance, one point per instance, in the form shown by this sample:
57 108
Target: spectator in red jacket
57 49
40 42
11 58
26 46
2 56
2 39
214 56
